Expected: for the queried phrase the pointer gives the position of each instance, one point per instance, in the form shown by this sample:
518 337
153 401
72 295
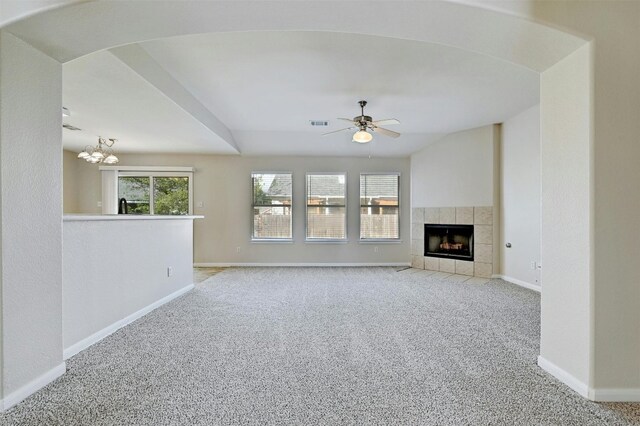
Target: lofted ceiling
254 93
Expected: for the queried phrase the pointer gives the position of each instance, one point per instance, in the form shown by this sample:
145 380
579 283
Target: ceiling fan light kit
362 136
364 123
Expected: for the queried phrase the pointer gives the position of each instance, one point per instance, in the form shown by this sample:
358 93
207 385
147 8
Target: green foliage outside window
170 194
260 198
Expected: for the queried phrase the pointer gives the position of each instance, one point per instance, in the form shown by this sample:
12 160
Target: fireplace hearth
448 241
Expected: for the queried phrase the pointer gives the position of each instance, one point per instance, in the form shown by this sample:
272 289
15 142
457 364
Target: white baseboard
32 387
99 335
250 264
616 395
564 376
593 394
521 283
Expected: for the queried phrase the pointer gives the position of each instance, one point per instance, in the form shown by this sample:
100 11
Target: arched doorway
78 29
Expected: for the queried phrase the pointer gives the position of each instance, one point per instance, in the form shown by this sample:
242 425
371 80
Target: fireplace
448 241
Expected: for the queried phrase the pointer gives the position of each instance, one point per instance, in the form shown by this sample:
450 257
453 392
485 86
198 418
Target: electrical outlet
375 249
99 203
237 249
533 264
169 271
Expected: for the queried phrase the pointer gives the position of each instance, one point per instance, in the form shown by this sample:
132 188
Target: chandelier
101 153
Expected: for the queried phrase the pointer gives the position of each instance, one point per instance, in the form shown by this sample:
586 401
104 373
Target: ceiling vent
321 123
70 127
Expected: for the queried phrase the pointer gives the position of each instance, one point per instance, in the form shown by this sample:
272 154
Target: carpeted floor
322 346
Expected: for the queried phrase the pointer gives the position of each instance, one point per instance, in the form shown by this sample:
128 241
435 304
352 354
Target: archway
81 28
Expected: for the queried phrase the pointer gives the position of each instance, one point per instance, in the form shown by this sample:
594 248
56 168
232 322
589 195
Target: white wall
566 274
31 208
223 184
456 171
520 196
126 260
616 150
615 201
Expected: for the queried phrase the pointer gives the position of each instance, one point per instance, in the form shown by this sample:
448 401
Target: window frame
360 206
151 175
345 206
251 217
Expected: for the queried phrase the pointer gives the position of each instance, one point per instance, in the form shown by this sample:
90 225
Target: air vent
70 127
321 123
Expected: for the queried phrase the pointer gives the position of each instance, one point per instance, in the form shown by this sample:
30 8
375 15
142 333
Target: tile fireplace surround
480 217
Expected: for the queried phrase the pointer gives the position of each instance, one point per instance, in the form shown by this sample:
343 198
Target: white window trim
380 240
346 209
271 240
149 168
110 175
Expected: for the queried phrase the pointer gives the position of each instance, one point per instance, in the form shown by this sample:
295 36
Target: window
271 206
326 207
136 190
165 193
379 207
171 195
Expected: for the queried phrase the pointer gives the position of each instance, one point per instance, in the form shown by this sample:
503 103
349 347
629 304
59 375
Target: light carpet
322 346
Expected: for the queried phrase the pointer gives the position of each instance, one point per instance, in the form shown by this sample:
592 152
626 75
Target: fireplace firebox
448 241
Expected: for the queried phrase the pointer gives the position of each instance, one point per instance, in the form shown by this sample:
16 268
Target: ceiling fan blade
350 120
386 132
386 122
336 131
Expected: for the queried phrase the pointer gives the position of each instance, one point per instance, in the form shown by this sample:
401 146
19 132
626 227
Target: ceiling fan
364 123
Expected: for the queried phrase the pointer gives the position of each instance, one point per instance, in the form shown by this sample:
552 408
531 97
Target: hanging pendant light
101 153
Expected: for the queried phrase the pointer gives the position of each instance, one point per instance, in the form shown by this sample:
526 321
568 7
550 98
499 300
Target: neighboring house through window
379 206
271 206
326 207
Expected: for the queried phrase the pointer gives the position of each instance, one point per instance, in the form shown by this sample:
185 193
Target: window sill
273 240
326 241
380 241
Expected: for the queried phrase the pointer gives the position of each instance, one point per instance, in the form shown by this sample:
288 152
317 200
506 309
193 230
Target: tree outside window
151 194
